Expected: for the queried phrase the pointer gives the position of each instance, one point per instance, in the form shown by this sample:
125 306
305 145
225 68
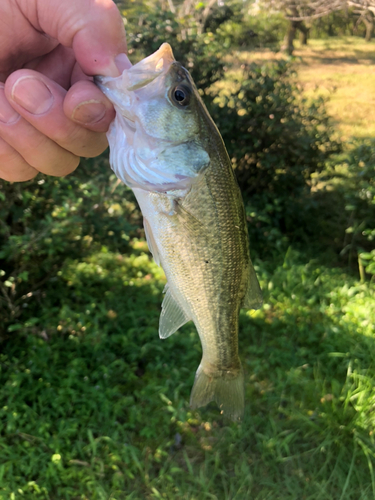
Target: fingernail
7 113
122 62
89 112
32 94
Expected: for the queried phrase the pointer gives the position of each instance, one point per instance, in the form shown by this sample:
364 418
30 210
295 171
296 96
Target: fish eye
180 95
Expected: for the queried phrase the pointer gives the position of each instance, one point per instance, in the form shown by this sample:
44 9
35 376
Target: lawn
94 406
99 409
345 70
342 69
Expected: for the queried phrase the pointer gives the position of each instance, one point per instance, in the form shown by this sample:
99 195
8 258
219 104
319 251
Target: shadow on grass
359 58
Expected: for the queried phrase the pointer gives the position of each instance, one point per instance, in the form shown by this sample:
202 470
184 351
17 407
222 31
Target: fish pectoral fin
172 316
188 220
253 296
151 241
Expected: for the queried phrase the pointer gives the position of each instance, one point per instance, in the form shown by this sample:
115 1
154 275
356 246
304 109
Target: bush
276 140
269 27
232 11
360 206
47 220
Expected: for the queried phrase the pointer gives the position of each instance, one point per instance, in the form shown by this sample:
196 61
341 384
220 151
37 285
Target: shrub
269 27
360 206
47 220
276 140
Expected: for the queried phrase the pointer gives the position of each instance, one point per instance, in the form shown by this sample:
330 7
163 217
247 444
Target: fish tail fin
226 388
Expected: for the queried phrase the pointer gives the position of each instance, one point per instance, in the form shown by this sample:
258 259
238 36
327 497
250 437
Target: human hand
51 113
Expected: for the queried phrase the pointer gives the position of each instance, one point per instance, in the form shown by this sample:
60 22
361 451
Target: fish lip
149 69
111 94
142 73
153 66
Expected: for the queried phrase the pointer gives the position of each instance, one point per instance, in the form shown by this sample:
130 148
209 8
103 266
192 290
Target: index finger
93 28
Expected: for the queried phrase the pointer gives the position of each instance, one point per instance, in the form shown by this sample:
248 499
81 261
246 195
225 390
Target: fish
165 146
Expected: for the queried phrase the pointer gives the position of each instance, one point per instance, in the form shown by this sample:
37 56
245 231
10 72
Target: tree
300 11
366 11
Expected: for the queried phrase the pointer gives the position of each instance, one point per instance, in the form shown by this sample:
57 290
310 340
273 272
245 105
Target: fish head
158 138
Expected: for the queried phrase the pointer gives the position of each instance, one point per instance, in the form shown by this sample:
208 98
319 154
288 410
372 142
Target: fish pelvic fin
225 387
172 316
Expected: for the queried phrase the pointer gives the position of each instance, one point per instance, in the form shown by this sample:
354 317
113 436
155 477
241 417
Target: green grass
95 406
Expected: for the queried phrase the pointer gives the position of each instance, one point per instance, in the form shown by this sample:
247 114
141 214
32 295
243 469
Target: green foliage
232 34
229 25
232 11
262 30
276 141
360 204
48 220
269 27
336 24
199 53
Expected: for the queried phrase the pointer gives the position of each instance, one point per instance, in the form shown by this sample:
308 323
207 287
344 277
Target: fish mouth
150 68
110 88
120 90
141 74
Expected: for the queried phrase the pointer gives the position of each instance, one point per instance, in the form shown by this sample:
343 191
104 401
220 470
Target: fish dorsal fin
151 241
253 296
172 316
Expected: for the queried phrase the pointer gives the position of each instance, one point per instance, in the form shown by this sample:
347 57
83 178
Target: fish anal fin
253 296
172 316
151 241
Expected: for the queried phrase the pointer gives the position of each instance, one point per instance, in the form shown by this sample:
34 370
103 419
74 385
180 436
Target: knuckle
13 168
85 143
95 147
67 166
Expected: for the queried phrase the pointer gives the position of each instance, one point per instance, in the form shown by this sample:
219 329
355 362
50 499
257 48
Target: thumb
93 28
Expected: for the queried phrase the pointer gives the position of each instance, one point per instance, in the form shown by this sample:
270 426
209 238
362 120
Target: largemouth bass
166 148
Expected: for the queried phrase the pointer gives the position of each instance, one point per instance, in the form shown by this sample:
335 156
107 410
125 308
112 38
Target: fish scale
193 215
